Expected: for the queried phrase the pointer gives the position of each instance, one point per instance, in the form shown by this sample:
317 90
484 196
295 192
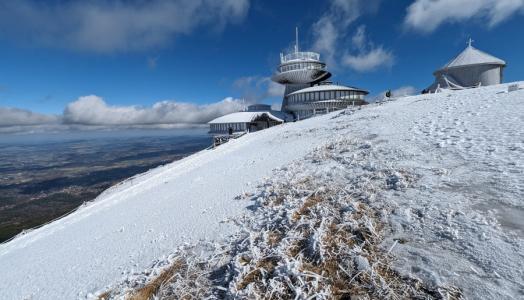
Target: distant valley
40 181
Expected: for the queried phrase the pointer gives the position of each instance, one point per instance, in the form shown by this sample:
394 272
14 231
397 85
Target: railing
222 139
299 56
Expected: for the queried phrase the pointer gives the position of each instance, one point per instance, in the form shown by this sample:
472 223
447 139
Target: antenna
470 41
296 39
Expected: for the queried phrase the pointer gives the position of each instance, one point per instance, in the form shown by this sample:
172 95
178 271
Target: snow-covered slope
461 224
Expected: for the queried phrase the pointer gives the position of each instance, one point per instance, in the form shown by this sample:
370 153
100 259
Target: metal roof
472 56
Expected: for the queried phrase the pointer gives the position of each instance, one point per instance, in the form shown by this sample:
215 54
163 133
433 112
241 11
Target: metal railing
299 56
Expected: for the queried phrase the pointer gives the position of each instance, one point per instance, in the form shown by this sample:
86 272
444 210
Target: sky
174 63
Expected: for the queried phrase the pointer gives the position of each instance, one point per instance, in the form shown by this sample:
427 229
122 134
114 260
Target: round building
323 98
471 68
307 92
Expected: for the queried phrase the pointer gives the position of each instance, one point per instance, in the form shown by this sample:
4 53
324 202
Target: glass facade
223 127
301 66
305 97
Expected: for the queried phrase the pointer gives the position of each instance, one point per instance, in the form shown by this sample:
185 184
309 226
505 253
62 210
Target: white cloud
256 88
427 15
369 61
93 110
330 31
109 26
275 89
21 117
359 38
368 57
326 38
276 106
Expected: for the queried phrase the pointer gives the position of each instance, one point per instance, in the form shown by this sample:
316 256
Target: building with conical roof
471 68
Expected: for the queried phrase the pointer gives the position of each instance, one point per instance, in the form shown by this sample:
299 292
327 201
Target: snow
325 87
473 56
452 201
248 116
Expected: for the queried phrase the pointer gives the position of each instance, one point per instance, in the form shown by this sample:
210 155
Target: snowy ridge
458 224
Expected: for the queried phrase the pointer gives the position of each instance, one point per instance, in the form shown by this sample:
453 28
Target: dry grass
105 296
311 237
304 209
152 287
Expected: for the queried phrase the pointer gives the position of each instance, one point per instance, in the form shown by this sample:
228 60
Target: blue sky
124 54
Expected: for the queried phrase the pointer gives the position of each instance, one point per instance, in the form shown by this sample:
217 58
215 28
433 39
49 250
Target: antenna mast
296 39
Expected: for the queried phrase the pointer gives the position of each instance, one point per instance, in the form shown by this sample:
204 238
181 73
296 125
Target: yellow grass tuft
151 288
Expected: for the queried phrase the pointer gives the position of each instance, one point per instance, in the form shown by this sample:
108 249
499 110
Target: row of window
301 66
304 114
225 127
325 95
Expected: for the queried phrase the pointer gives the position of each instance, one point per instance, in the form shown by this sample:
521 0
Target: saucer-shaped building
308 92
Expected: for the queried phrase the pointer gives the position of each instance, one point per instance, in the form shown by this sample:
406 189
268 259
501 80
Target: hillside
440 176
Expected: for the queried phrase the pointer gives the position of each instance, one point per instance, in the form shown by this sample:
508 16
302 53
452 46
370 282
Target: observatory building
257 117
471 68
308 92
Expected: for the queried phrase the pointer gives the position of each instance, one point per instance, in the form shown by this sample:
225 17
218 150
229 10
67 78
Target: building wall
308 104
224 127
469 76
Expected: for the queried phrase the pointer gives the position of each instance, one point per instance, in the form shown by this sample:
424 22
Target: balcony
299 56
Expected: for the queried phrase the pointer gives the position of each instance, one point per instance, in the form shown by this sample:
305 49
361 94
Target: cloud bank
111 26
92 111
22 117
426 16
